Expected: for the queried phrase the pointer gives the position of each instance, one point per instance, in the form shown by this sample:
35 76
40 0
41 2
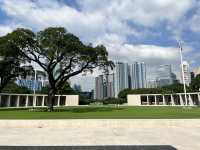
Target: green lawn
104 112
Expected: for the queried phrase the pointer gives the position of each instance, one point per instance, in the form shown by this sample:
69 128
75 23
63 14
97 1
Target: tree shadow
88 109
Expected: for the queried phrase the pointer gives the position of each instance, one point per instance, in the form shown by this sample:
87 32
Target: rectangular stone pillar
181 100
198 98
172 100
148 100
0 100
66 101
26 104
34 100
164 102
155 98
43 98
8 101
190 100
58 104
18 99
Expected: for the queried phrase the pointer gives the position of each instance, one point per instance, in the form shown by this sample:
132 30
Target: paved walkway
180 134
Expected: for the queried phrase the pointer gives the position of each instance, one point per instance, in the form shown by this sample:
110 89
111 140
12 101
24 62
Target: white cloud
4 30
143 12
106 22
195 22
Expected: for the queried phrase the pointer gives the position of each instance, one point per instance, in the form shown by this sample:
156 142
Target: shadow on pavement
146 147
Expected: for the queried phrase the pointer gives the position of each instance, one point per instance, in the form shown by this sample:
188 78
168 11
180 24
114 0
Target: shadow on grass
66 109
87 109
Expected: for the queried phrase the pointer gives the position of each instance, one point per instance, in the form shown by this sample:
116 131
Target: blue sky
132 30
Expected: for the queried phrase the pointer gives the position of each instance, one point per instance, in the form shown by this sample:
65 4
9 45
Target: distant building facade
104 86
138 75
121 77
186 71
165 76
30 82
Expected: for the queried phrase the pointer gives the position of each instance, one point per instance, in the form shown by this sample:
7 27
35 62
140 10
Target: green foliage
14 88
10 60
64 54
169 89
84 101
66 90
114 101
195 84
174 88
125 92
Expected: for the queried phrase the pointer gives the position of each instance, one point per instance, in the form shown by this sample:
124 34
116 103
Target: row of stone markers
36 100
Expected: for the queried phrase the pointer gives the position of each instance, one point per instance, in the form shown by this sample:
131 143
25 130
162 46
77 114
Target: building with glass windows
186 71
121 77
104 86
138 75
165 76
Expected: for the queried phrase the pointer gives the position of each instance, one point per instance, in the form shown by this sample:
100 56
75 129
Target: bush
114 101
83 101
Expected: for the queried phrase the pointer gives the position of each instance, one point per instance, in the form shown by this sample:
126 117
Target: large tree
61 55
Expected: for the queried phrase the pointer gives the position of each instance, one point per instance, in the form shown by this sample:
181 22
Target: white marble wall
38 100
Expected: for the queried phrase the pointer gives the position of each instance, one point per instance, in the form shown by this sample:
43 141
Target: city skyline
124 76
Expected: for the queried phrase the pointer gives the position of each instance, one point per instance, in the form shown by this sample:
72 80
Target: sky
132 30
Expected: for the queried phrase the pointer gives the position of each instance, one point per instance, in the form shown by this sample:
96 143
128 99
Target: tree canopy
195 84
10 61
61 54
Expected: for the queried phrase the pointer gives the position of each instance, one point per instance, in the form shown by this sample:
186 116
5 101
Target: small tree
61 55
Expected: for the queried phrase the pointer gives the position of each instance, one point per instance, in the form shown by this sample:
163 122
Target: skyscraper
138 75
104 86
186 71
121 77
99 87
165 76
110 85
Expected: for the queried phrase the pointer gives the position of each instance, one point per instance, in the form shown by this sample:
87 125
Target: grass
103 112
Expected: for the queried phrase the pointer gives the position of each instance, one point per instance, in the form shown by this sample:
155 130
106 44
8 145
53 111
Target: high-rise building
99 87
121 77
165 76
104 86
186 71
110 85
138 75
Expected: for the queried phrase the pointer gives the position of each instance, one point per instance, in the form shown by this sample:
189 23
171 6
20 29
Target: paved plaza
177 133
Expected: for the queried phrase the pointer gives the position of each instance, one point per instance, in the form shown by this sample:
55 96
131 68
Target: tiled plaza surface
177 133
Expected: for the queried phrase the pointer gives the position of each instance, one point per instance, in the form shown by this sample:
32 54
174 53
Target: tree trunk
51 96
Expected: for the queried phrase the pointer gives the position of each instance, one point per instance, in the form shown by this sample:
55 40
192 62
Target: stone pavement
177 133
